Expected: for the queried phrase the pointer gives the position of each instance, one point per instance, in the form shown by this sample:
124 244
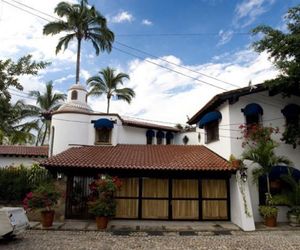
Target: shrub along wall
16 182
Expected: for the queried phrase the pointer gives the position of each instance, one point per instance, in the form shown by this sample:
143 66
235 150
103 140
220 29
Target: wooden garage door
127 199
185 199
214 199
155 202
175 199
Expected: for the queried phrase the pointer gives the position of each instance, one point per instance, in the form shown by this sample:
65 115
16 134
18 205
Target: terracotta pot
47 218
236 163
276 184
101 222
271 221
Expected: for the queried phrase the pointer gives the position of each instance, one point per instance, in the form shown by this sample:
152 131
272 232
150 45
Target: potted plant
102 203
269 213
293 196
43 198
294 216
234 162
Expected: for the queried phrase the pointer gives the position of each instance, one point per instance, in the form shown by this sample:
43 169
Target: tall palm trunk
78 59
108 104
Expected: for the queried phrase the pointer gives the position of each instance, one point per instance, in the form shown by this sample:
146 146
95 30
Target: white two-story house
218 123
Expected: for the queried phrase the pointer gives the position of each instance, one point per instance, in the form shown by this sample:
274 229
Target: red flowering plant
44 197
255 134
101 200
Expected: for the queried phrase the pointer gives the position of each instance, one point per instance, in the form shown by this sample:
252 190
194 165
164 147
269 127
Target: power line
175 71
191 70
29 7
18 7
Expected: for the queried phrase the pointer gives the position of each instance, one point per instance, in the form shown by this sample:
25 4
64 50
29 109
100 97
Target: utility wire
39 11
175 71
18 7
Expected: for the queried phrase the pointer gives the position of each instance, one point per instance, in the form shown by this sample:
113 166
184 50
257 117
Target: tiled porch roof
143 157
20 150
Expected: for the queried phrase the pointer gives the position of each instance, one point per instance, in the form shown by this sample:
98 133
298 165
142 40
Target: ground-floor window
160 198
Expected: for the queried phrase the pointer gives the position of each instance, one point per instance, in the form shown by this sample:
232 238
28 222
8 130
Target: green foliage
103 208
10 72
291 135
260 149
268 211
80 22
293 194
15 182
284 50
102 202
106 83
46 103
45 197
13 129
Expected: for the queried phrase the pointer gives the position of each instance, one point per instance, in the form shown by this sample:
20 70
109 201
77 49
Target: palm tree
107 83
15 128
82 23
47 103
263 153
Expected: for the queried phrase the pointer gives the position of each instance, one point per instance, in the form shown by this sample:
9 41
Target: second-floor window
291 113
103 135
160 137
210 123
149 136
211 131
253 114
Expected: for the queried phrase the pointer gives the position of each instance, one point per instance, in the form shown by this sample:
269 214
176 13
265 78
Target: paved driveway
42 239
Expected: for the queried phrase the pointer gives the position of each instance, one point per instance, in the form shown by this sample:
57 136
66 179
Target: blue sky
206 36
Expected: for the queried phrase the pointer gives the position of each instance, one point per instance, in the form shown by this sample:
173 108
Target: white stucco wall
70 128
222 146
232 118
16 161
240 204
193 137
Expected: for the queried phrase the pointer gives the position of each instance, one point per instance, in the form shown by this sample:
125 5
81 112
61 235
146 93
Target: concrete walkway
157 226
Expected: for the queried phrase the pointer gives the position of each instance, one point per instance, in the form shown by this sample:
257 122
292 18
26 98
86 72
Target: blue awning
210 117
150 133
252 109
169 135
277 171
103 123
160 134
291 110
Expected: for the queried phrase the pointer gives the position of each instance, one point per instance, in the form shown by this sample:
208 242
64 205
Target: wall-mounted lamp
243 173
59 176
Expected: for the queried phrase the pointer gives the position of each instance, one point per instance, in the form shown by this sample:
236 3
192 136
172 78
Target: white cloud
63 79
85 74
147 22
247 11
166 96
225 37
121 17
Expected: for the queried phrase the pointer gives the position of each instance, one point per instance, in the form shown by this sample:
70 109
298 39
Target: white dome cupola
76 100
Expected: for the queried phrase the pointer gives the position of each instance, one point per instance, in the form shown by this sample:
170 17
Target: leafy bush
16 182
44 197
268 211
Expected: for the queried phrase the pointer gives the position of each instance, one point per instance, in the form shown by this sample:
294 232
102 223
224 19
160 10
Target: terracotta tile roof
217 100
20 150
155 157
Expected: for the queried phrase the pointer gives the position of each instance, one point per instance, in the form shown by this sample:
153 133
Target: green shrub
16 182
